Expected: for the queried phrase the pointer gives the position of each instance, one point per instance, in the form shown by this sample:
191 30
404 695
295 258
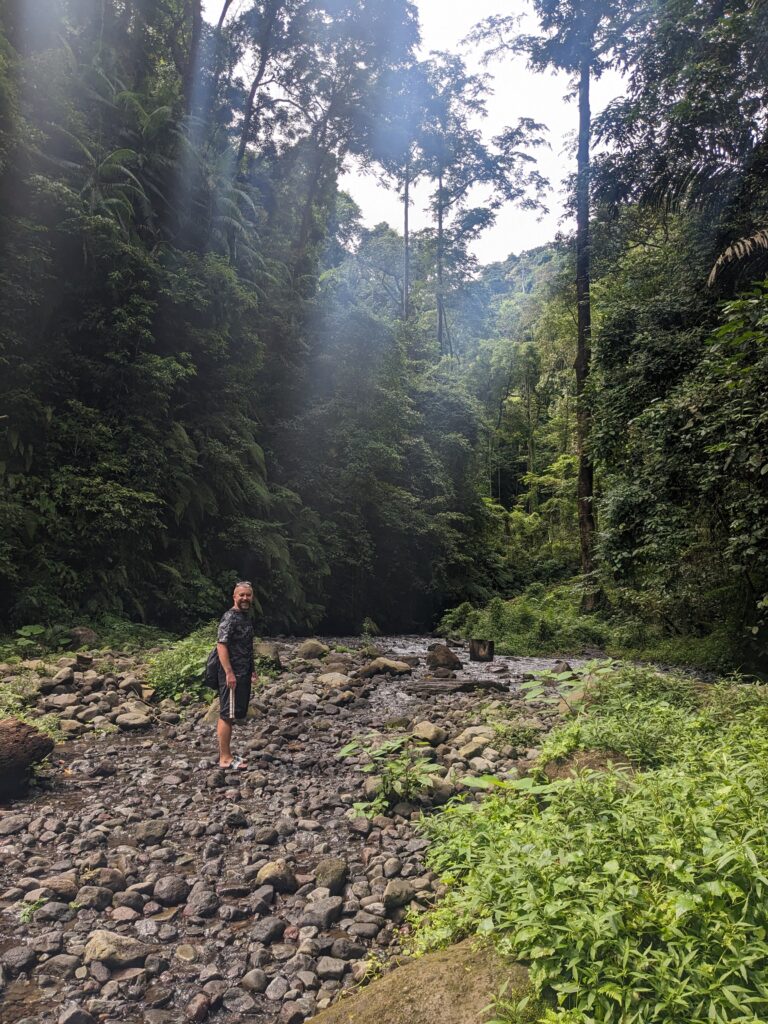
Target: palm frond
739 250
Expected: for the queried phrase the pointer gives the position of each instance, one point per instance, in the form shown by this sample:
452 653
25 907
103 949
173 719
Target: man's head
243 596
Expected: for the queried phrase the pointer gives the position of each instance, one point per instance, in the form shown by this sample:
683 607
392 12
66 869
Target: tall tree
582 39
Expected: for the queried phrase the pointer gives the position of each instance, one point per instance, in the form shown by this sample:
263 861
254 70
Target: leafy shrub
15 702
178 669
636 899
403 773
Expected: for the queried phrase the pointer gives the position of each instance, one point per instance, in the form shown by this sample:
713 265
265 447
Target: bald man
234 643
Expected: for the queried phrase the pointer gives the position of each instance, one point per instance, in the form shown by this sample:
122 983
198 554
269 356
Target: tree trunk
406 234
191 69
583 354
222 16
265 42
440 263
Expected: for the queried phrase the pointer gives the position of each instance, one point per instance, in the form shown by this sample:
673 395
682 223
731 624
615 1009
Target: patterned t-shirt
236 631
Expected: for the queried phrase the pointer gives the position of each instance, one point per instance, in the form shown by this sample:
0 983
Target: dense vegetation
635 893
210 369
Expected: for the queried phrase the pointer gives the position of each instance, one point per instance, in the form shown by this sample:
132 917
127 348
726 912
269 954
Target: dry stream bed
139 882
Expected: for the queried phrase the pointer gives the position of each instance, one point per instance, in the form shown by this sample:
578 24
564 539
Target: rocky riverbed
139 882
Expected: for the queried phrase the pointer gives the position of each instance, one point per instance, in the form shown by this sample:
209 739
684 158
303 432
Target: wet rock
114 950
61 966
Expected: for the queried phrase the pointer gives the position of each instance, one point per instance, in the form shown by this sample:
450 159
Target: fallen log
21 746
437 687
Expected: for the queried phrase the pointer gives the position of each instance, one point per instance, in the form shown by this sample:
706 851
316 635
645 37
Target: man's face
243 598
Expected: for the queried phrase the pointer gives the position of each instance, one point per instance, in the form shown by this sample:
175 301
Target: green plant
635 899
178 670
369 627
15 701
29 910
402 773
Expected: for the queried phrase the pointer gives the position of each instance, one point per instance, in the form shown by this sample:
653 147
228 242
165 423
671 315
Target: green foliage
401 773
634 898
16 700
178 670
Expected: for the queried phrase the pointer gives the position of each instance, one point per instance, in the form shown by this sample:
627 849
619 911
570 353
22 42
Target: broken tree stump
481 650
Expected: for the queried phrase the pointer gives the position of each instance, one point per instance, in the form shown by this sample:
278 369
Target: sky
517 92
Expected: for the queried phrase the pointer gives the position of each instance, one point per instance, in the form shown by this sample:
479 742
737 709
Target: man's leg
224 733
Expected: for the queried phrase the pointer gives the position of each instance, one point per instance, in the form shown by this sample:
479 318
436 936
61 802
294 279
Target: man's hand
254 678
231 680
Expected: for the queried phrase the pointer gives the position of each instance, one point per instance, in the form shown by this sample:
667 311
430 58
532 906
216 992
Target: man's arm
226 664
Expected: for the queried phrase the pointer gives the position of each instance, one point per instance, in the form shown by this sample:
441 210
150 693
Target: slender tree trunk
222 16
191 69
585 485
440 263
406 235
265 43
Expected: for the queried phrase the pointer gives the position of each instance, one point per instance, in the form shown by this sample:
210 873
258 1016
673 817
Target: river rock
18 959
114 950
171 890
398 893
333 680
21 746
332 874
72 1014
279 875
322 913
441 656
151 832
385 667
312 649
131 720
430 733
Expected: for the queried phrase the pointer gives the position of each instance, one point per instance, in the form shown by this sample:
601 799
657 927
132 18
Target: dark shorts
242 697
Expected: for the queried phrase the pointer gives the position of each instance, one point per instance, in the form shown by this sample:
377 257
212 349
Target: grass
547 622
635 897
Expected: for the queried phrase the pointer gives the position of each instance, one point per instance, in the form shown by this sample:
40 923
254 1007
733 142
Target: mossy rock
453 986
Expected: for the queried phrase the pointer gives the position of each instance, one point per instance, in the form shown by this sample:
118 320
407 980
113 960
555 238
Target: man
234 644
